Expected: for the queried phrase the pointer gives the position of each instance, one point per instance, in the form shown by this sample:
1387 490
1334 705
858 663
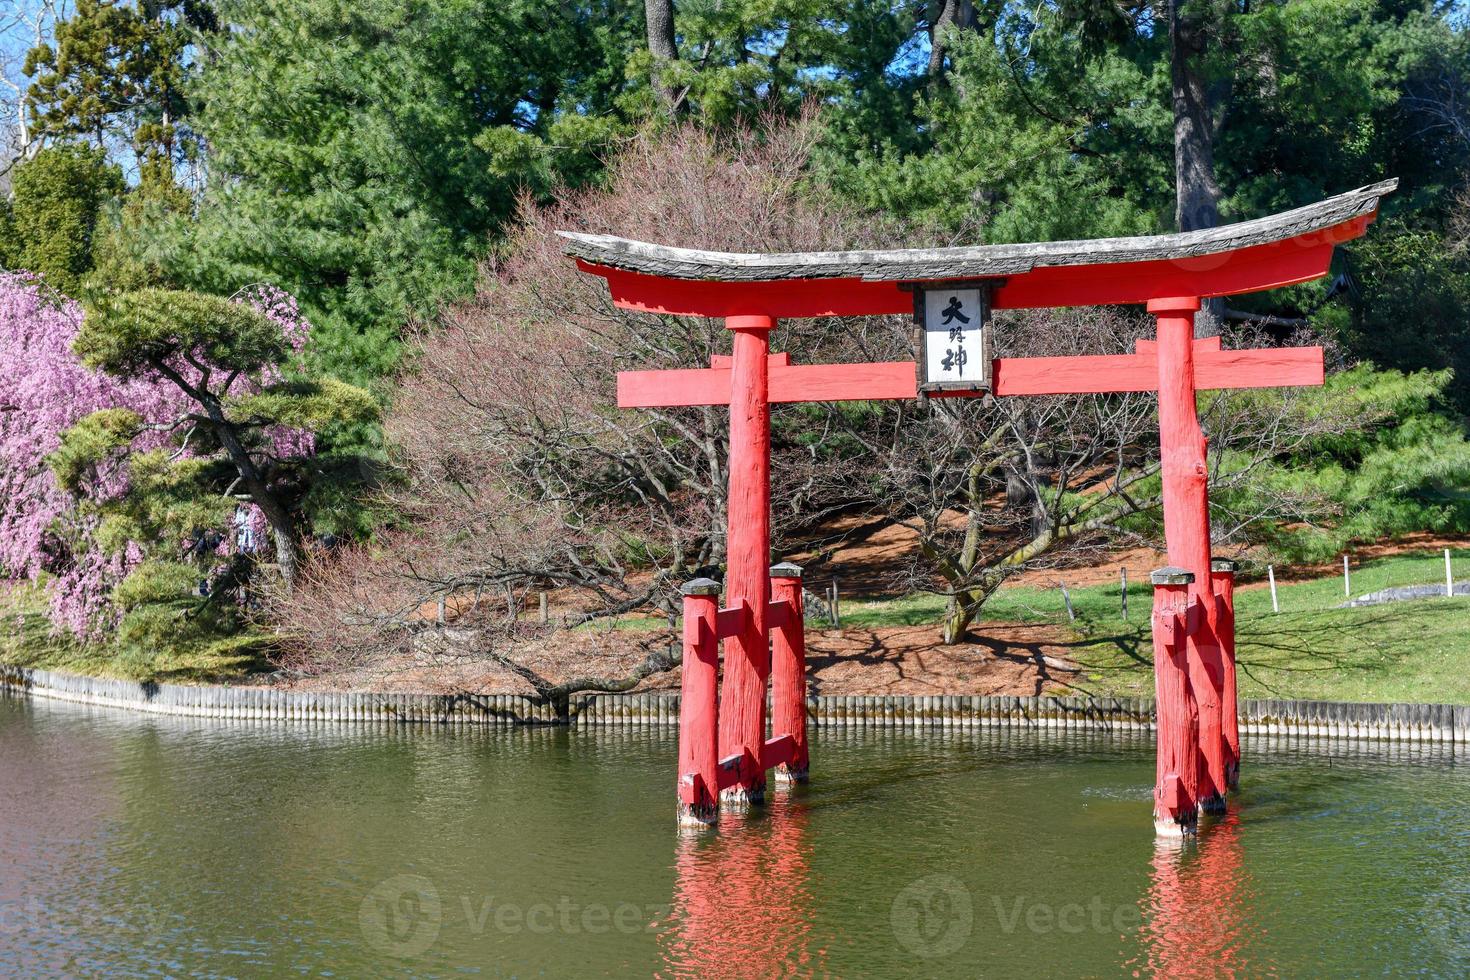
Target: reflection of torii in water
724 750
743 902
1197 912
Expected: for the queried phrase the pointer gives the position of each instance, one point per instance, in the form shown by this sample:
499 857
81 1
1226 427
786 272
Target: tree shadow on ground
909 660
1280 647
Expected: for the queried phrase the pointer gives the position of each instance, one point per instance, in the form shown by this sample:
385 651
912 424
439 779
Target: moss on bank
27 640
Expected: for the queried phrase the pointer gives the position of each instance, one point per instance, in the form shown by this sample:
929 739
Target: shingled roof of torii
974 261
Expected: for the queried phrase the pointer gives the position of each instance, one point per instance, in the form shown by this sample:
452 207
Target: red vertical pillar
1176 782
1187 528
788 673
748 654
698 781
1222 580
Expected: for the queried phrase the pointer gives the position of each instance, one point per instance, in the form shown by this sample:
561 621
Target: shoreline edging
1331 719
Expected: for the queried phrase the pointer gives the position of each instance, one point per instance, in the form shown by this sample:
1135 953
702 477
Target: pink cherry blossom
44 390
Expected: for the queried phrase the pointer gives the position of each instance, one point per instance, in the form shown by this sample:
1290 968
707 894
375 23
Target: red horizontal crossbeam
788 383
1213 368
1272 367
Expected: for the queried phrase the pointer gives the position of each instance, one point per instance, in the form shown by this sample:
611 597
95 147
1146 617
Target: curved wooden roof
977 261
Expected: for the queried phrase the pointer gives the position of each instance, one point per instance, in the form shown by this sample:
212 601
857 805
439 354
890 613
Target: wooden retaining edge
657 709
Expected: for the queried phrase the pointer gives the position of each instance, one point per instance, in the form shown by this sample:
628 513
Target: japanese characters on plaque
956 341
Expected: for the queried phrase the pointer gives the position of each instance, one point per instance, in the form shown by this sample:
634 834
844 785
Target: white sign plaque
956 339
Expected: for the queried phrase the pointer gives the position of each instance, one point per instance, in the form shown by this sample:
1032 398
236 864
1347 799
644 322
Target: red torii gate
723 749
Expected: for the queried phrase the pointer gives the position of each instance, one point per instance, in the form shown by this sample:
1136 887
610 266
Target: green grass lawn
26 640
1407 651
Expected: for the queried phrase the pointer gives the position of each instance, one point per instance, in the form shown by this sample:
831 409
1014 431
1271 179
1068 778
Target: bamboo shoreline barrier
659 709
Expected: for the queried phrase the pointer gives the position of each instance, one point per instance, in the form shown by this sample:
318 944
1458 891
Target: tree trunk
661 44
285 554
1023 496
1197 196
947 15
283 529
965 604
957 617
1018 494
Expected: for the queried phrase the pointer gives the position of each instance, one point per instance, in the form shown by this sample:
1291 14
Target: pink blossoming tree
147 446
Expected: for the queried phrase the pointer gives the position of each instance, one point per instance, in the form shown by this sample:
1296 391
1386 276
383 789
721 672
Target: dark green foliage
168 501
89 442
58 200
163 613
1403 466
315 404
364 153
125 253
1409 303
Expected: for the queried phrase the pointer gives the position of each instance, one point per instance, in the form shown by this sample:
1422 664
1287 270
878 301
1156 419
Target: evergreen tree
115 76
58 200
364 153
244 423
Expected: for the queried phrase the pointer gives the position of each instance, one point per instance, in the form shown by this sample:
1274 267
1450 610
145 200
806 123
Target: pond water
132 845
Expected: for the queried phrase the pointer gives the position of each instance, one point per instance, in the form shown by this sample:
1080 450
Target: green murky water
146 846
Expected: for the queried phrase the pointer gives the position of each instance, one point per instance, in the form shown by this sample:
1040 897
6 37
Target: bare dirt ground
875 559
864 558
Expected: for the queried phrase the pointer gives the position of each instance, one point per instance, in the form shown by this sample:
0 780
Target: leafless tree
517 471
995 486
519 474
24 24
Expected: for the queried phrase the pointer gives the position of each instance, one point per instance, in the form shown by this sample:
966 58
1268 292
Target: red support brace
788 672
1222 581
731 622
748 656
699 781
779 753
1176 783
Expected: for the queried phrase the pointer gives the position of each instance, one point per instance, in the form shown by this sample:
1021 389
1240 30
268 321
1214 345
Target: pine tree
115 76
